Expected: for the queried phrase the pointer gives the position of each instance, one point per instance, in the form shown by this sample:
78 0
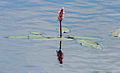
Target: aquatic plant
60 18
101 72
116 33
84 41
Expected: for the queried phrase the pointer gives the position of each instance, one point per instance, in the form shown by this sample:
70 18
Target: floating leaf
49 38
88 43
116 33
101 72
36 33
64 30
26 36
77 37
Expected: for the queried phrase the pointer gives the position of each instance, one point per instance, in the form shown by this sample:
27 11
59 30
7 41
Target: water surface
91 18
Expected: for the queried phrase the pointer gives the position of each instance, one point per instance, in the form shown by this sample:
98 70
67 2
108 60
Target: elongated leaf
101 72
64 30
116 33
88 43
77 37
26 36
53 39
36 33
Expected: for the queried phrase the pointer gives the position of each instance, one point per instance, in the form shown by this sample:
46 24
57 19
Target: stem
60 29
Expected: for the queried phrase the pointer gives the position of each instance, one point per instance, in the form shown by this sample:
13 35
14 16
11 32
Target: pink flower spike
61 14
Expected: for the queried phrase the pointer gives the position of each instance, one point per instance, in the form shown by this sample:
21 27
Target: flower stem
60 29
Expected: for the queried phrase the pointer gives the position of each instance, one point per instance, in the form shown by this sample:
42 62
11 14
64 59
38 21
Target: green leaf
116 33
59 39
88 43
77 37
64 30
26 36
101 72
36 33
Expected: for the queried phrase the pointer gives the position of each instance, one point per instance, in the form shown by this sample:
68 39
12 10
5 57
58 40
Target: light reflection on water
85 18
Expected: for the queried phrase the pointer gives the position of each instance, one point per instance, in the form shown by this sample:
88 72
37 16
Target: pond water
90 18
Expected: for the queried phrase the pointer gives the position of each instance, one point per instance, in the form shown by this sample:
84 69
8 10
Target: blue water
90 18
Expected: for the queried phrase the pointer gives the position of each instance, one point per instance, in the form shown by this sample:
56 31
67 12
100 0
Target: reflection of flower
61 14
60 56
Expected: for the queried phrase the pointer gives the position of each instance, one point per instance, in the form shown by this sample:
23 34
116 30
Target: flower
61 14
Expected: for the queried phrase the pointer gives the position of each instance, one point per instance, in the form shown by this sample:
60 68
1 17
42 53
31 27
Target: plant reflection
60 54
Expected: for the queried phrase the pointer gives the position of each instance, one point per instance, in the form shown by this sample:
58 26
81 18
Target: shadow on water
60 54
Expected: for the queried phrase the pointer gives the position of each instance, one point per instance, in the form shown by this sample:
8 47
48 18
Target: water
91 18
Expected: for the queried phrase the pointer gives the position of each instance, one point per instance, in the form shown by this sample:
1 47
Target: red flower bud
61 14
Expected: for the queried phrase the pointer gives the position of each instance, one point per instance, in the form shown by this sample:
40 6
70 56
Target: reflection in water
60 54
